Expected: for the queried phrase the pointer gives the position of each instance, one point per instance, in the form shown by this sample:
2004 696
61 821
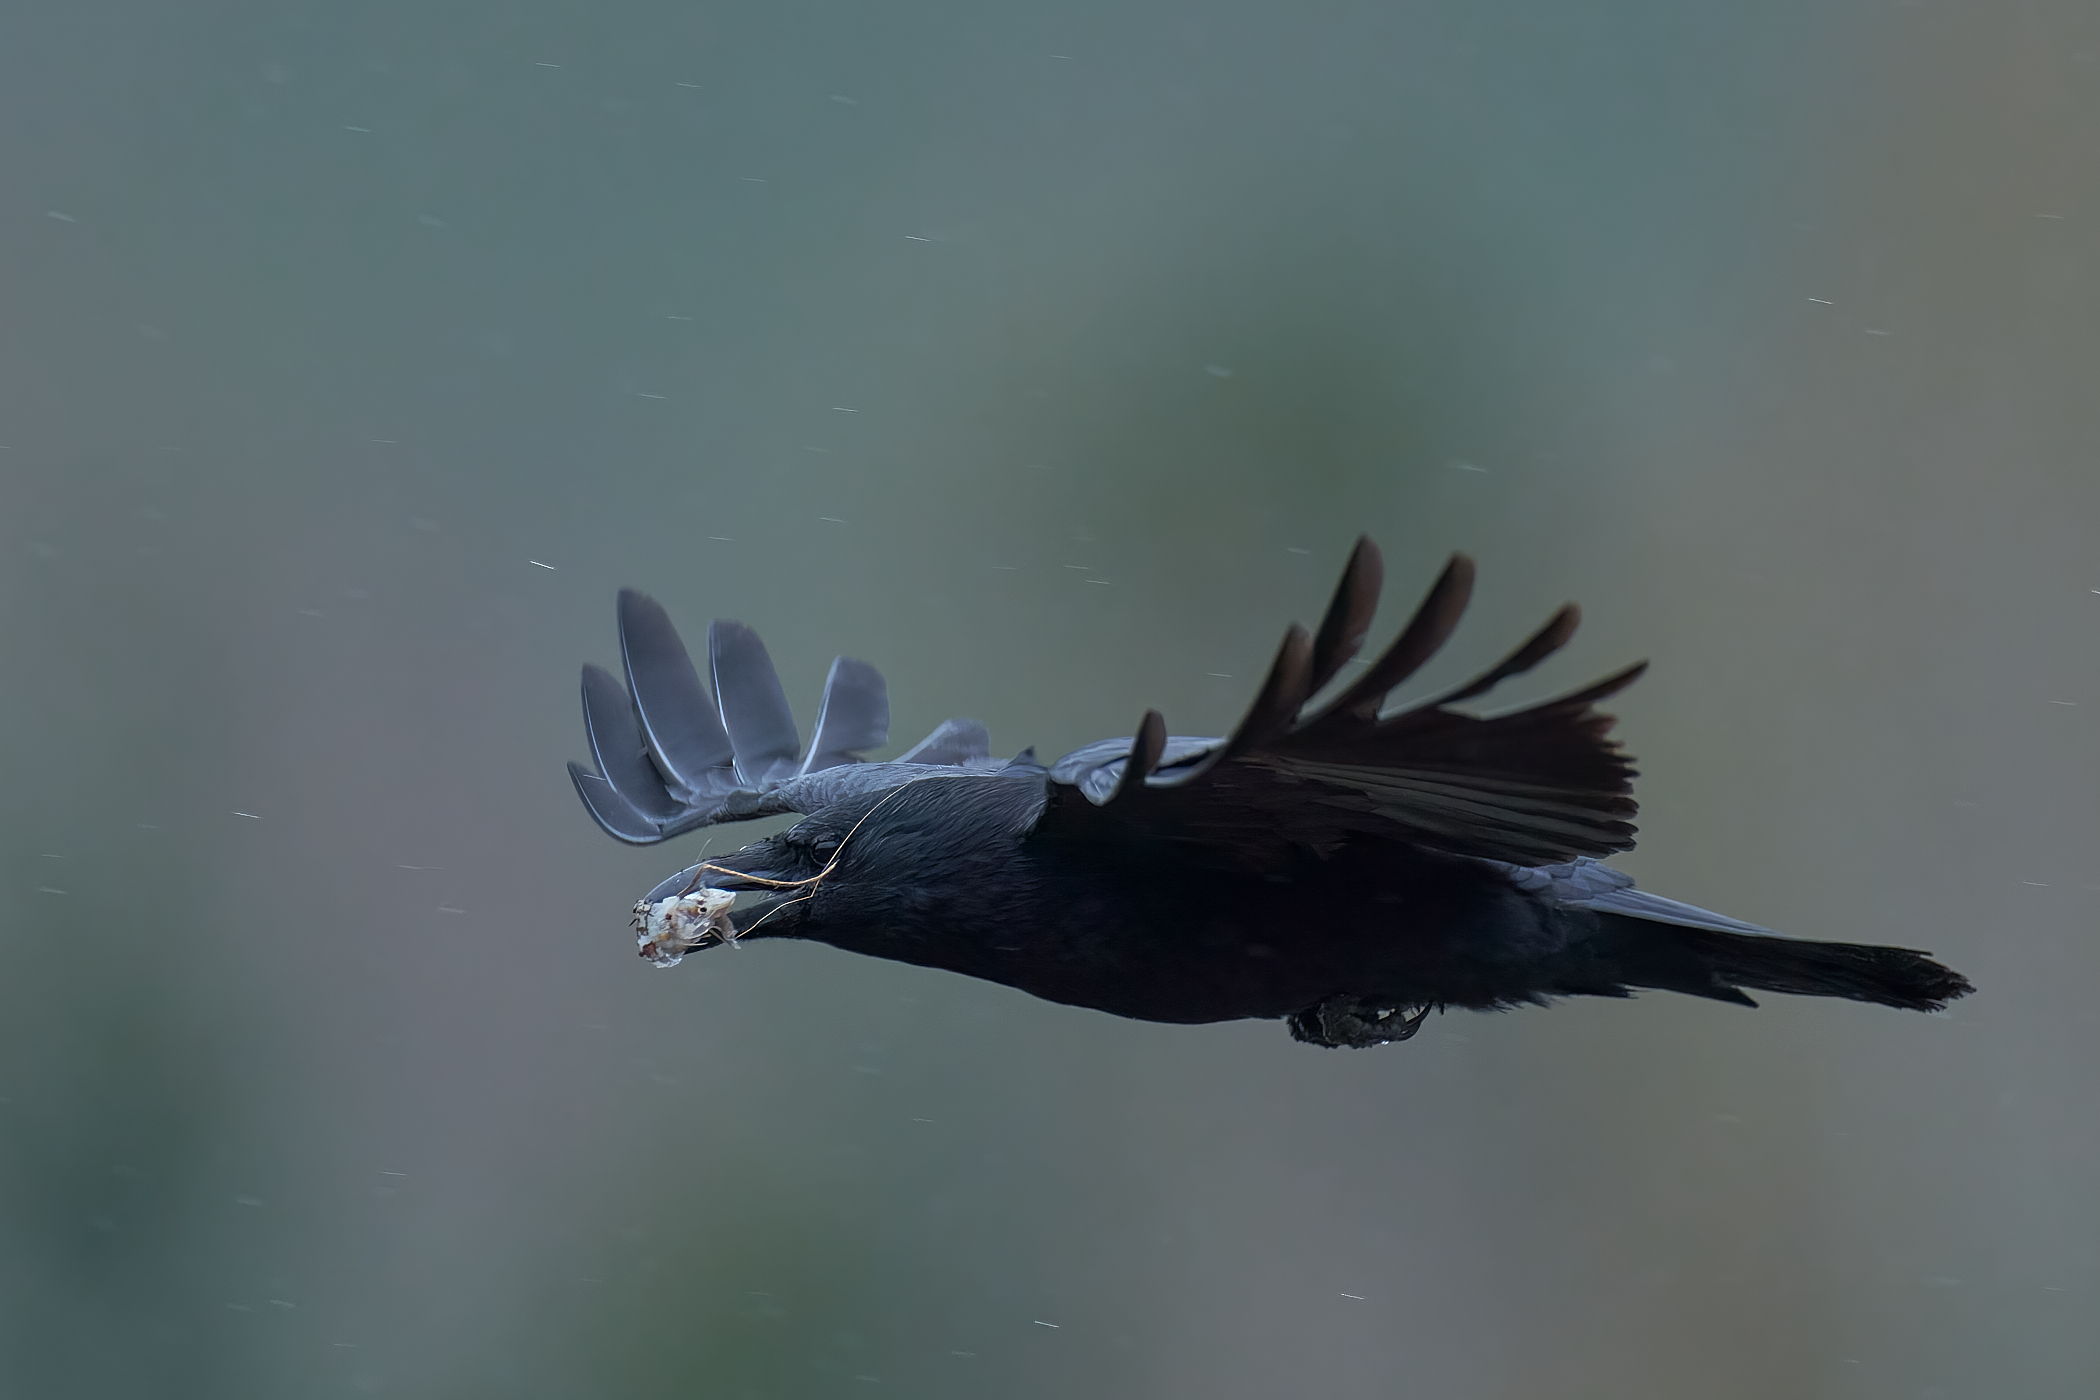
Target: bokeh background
1049 356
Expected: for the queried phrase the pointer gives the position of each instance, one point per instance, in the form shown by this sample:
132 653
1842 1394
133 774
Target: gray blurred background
1049 357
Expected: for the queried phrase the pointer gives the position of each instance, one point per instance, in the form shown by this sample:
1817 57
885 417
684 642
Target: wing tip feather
1551 785
615 815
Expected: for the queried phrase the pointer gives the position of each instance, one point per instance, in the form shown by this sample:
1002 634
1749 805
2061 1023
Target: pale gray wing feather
1589 884
678 717
1098 767
854 716
754 708
672 758
617 743
954 741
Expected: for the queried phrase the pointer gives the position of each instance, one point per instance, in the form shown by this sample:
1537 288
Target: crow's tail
1711 963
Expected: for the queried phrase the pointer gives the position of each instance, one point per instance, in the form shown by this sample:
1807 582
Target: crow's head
692 910
916 836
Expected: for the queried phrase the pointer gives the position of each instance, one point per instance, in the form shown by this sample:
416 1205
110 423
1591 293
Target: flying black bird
1338 865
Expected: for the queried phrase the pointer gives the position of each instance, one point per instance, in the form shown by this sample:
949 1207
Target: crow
1339 865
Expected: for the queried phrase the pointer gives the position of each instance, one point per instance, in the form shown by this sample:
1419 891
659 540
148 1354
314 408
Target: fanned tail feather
1707 962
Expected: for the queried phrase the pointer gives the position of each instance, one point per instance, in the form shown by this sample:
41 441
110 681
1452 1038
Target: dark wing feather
1431 626
1348 620
1146 746
1534 786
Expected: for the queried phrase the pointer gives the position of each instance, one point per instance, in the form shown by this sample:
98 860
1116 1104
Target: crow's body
1341 868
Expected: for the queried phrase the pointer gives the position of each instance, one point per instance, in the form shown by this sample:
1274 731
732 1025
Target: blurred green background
1768 332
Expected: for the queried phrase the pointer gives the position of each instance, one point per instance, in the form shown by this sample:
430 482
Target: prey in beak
691 910
667 929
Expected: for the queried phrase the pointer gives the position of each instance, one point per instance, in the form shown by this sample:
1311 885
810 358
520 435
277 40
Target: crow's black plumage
1330 863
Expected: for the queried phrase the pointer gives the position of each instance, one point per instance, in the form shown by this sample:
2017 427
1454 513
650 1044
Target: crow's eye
818 842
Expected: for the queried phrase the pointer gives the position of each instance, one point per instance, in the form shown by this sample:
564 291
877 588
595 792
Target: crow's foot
1357 1022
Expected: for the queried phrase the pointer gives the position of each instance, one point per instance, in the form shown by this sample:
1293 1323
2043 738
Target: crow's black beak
683 882
691 910
738 870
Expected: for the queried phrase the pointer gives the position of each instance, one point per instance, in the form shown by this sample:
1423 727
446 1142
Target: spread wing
1534 786
673 756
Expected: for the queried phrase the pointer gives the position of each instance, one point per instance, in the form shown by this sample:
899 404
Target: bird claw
1358 1022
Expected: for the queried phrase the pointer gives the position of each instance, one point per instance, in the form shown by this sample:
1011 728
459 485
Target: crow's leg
1357 1022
